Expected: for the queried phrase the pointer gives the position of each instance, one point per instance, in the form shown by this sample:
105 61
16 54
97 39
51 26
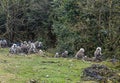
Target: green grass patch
21 69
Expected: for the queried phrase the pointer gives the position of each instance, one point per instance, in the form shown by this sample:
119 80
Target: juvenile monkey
56 55
65 54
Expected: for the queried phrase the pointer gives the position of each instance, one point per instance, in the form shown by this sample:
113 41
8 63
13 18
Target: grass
21 69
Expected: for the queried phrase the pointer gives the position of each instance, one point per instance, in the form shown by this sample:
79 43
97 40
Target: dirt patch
4 78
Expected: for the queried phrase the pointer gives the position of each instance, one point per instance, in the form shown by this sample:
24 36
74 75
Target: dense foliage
25 20
65 24
87 24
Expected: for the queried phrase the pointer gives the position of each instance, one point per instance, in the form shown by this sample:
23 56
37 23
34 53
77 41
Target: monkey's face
98 49
82 50
66 52
57 53
14 45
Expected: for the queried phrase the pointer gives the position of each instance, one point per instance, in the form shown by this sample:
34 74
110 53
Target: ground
22 69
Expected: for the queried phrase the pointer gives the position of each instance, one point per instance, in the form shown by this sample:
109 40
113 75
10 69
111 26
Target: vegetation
63 24
87 24
22 69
